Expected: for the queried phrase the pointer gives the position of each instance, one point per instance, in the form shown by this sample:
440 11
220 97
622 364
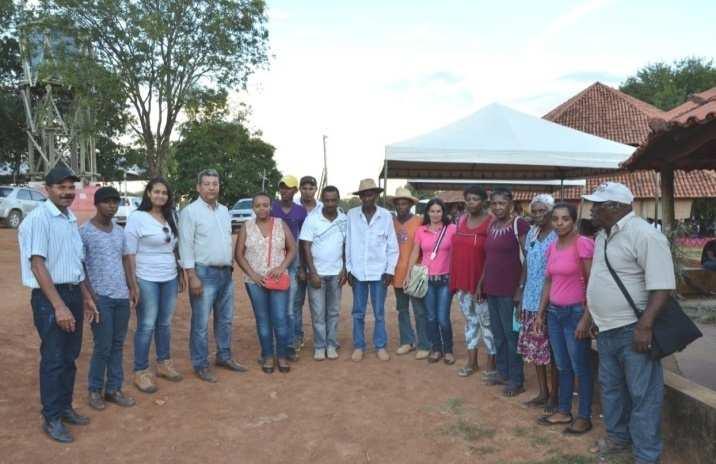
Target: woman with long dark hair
151 238
433 240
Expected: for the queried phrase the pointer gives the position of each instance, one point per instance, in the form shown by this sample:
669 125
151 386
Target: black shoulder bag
673 330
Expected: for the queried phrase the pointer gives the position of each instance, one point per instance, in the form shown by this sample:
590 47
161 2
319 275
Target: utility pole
324 172
263 180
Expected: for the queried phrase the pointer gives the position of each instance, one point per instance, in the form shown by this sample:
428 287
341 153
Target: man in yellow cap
293 215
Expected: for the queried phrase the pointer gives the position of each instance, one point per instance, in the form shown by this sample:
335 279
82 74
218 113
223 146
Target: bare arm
63 315
585 323
543 304
131 282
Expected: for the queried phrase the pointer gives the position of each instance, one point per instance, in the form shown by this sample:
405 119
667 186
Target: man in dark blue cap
107 268
51 262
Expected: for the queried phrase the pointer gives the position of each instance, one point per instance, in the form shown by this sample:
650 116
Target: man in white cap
371 256
632 382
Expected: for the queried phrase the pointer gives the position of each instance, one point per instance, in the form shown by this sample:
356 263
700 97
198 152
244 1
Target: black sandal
285 368
266 367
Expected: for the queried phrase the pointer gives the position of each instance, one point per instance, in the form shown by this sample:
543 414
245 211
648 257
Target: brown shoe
144 381
357 355
383 355
165 370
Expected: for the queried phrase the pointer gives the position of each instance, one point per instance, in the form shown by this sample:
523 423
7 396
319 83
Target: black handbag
673 330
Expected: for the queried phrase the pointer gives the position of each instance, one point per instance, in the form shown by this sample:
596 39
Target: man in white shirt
323 238
632 383
205 248
371 257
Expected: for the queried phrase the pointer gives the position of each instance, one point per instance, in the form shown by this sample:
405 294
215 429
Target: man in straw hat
406 223
371 256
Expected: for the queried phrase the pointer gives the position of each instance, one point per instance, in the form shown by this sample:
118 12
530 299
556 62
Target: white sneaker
319 355
332 353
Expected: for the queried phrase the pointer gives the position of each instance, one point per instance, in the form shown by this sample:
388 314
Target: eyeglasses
168 238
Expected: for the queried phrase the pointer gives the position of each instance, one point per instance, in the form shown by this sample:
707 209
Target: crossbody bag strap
619 282
436 247
517 237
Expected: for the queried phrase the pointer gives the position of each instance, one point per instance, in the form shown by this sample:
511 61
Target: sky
370 73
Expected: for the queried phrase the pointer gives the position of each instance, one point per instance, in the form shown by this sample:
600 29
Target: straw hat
367 184
402 192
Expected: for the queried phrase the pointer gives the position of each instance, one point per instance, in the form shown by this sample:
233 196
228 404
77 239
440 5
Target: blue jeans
291 322
437 303
217 297
710 265
325 305
572 358
109 335
157 301
508 360
632 393
407 335
58 350
377 292
271 319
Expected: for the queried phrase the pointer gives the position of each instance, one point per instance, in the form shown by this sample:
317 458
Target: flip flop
544 420
465 372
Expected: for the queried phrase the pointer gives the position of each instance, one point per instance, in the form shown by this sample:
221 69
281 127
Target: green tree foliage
13 138
667 86
227 146
157 54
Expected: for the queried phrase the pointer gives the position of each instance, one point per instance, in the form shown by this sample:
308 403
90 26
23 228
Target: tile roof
692 184
606 112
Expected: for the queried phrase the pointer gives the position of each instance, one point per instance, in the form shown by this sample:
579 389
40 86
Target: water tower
57 121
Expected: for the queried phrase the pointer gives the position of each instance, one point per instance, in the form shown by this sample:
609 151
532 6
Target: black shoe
56 430
95 401
231 365
71 417
118 398
292 356
206 375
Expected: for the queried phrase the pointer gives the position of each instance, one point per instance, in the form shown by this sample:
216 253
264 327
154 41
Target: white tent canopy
498 142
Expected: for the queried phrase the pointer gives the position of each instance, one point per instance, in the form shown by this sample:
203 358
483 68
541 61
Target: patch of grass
482 450
520 431
564 459
454 406
469 431
539 440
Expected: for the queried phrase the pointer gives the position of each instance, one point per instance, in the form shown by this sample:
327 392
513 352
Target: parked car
127 205
241 212
17 202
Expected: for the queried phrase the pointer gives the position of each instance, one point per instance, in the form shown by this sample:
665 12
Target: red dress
468 255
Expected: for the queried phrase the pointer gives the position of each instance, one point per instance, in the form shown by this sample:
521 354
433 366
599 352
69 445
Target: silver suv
17 202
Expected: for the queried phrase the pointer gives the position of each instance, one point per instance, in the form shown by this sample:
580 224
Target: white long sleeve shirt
371 249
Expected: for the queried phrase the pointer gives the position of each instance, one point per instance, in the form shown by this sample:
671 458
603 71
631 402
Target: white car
17 202
127 205
241 212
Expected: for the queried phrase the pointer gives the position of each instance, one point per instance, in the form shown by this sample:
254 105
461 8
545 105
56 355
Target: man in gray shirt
205 248
632 382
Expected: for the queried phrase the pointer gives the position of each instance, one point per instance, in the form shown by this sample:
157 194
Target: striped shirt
205 235
55 236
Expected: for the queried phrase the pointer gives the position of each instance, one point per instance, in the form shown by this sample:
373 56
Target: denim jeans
217 297
325 305
109 335
271 319
377 292
508 360
437 303
157 301
572 358
710 265
58 350
632 393
407 335
291 323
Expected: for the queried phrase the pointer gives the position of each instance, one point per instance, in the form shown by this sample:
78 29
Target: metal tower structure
57 121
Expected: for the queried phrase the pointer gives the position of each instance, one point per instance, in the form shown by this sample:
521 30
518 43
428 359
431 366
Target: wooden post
667 198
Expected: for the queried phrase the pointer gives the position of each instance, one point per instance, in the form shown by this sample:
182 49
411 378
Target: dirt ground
401 411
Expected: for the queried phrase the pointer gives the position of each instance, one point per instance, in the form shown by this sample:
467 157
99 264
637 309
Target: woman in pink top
569 261
436 224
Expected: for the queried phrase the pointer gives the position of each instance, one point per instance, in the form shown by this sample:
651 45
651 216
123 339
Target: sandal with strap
545 420
466 371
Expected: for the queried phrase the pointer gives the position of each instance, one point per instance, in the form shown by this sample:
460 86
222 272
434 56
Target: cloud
592 76
567 19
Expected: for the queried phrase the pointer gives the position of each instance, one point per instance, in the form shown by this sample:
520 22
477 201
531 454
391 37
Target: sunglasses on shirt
168 237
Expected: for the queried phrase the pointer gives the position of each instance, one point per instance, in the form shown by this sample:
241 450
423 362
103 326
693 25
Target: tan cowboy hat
402 192
367 184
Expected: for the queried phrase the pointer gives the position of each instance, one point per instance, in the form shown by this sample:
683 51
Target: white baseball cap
611 191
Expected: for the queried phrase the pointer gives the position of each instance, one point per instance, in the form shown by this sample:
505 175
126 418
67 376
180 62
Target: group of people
534 291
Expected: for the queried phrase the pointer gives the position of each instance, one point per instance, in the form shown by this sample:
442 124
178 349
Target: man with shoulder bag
629 295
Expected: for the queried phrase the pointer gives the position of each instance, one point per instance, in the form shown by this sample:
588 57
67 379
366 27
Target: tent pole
561 189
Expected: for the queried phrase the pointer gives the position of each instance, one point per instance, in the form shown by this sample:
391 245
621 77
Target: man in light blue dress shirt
51 262
205 248
371 256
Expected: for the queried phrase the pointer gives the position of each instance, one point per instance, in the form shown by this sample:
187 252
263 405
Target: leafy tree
227 146
667 86
159 53
13 138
